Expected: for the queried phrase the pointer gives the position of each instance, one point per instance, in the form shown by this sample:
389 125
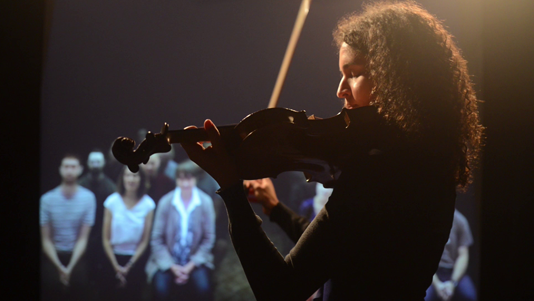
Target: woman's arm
106 239
265 194
293 224
270 276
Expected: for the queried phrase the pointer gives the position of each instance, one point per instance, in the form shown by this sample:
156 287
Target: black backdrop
499 58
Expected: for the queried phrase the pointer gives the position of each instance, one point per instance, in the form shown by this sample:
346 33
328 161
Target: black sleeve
270 276
292 223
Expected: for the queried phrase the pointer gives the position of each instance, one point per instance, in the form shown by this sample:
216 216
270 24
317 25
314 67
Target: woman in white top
126 230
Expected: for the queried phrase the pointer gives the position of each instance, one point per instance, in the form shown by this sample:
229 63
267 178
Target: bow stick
297 28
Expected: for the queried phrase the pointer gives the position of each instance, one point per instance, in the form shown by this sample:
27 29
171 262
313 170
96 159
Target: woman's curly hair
421 80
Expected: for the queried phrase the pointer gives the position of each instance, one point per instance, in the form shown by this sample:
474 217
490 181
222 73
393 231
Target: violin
264 144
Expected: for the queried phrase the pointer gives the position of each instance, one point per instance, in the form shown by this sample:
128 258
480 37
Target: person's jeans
465 291
197 288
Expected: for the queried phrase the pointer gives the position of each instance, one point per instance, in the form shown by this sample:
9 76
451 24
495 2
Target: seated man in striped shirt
66 216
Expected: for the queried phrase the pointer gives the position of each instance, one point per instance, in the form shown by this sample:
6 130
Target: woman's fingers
213 134
192 148
215 159
254 184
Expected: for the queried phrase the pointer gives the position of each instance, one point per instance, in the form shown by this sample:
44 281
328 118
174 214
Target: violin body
264 144
293 143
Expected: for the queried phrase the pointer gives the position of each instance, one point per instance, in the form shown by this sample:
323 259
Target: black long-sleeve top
293 224
379 237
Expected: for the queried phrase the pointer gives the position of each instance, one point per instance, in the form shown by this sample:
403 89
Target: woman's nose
343 91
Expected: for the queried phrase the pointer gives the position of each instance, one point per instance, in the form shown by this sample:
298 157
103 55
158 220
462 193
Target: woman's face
131 181
355 86
186 181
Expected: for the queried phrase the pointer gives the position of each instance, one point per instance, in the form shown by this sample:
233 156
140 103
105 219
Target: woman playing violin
381 234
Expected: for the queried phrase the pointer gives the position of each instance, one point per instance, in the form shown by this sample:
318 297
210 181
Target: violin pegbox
123 148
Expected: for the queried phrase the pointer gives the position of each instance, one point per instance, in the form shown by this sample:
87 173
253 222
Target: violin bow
297 28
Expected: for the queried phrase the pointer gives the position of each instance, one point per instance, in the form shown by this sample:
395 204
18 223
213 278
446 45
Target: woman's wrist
116 267
190 266
129 264
269 205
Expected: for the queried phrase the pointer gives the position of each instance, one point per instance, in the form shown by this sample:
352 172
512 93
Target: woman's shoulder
112 200
148 202
204 197
166 200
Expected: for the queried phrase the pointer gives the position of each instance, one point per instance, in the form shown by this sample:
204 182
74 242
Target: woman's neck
130 197
186 196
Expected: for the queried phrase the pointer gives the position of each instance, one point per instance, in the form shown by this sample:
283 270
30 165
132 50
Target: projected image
125 68
108 240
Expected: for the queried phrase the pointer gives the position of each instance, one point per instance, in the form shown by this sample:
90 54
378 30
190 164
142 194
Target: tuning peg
165 129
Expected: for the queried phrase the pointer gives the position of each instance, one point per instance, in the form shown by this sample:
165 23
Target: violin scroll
123 148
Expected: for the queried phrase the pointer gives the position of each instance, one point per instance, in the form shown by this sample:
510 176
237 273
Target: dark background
137 64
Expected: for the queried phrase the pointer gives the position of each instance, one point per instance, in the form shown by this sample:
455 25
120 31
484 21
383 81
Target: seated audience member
157 183
126 234
102 186
293 188
66 215
310 207
450 283
182 240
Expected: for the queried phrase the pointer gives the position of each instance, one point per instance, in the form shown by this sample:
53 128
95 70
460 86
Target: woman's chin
349 106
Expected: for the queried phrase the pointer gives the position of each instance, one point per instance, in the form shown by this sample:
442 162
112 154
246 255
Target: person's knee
465 290
161 284
431 294
202 282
